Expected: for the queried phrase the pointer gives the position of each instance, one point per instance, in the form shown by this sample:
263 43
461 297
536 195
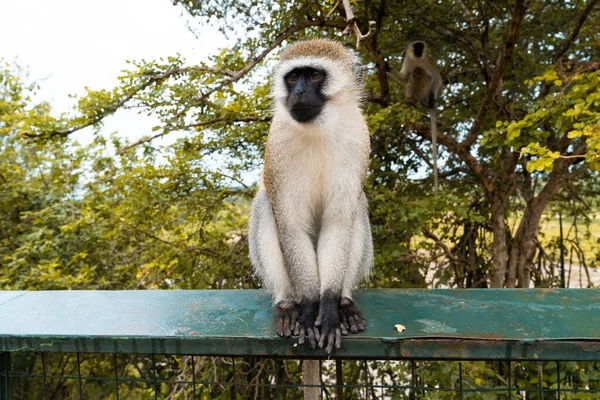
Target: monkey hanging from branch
424 85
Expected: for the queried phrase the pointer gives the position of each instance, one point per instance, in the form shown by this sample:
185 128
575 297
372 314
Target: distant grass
550 228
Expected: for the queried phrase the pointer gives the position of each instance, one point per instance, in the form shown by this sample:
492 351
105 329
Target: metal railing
471 344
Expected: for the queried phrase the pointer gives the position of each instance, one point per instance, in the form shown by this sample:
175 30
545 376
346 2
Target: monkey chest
318 179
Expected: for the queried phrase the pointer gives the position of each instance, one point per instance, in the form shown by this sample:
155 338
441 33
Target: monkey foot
328 323
286 315
352 318
305 327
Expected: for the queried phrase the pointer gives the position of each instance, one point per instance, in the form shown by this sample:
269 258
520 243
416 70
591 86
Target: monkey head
305 98
312 77
418 49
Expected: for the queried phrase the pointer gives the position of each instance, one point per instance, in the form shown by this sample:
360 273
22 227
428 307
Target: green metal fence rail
538 343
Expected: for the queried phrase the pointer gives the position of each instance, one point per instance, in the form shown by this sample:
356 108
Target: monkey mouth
304 114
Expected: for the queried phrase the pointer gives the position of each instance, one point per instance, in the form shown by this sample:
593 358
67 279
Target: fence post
5 383
339 378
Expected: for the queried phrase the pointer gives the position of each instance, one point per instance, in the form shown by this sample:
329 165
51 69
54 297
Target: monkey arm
400 76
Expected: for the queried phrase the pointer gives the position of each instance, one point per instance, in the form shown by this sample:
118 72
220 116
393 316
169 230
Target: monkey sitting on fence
309 236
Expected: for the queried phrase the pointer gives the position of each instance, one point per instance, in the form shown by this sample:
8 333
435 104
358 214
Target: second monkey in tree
424 86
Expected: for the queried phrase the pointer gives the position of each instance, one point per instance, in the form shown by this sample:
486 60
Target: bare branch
352 25
337 3
278 40
370 40
428 234
418 152
195 125
455 147
511 40
580 22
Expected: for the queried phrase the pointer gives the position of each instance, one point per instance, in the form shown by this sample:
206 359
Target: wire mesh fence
40 375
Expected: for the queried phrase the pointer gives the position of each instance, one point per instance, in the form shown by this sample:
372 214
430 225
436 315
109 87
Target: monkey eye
293 77
316 75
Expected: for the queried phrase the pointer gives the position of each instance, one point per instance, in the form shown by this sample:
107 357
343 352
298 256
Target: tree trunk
523 244
523 247
499 251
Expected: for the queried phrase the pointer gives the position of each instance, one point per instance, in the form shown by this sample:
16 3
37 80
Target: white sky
69 44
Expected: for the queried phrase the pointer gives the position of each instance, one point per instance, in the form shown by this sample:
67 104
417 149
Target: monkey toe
331 338
307 335
352 316
344 329
305 324
286 315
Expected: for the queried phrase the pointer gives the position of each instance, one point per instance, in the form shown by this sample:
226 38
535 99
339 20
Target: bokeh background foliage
519 124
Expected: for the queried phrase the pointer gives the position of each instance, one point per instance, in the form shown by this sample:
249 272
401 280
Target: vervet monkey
309 236
424 86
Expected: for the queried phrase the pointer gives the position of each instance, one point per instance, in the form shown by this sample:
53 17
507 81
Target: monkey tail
432 116
311 375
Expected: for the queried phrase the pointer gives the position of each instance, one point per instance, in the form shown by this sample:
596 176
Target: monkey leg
299 253
359 265
267 260
333 253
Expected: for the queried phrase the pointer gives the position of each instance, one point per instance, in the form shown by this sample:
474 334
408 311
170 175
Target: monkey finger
286 327
301 336
317 334
330 342
353 327
338 338
322 338
311 338
279 327
319 321
360 319
293 323
297 329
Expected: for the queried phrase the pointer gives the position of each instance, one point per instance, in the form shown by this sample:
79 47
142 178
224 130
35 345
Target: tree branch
195 125
370 40
252 63
233 77
511 40
112 109
455 147
575 32
428 234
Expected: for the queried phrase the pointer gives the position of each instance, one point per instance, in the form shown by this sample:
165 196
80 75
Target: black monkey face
305 99
418 48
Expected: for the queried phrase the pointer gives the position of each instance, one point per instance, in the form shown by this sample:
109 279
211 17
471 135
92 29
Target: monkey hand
329 326
286 315
305 327
352 318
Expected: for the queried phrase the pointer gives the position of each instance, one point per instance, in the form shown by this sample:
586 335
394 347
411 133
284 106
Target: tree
490 54
518 127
